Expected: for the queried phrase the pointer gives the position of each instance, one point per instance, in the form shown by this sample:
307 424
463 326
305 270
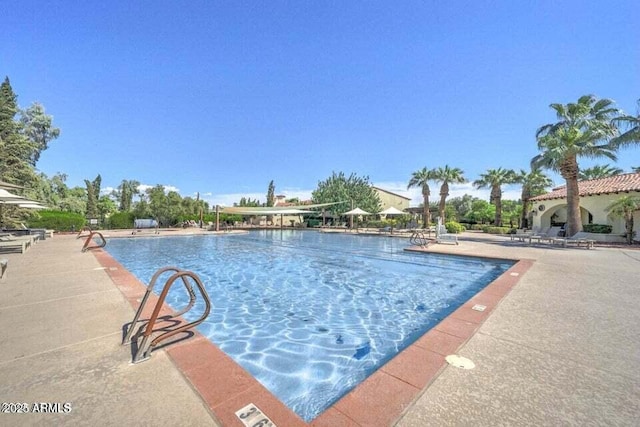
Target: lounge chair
442 236
580 238
545 236
20 244
521 234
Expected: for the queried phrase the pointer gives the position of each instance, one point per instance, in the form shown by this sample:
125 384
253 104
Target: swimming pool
311 315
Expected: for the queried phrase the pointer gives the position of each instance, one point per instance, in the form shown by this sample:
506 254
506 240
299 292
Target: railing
419 239
82 230
86 246
145 331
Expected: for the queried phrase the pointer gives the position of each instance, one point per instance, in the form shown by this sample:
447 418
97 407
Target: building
389 199
595 195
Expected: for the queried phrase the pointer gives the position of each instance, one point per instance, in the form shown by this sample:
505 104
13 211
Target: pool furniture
442 236
521 234
545 237
3 267
580 238
10 243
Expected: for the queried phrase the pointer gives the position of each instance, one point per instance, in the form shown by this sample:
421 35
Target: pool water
311 315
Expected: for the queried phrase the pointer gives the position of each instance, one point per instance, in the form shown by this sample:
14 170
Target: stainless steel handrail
86 246
143 351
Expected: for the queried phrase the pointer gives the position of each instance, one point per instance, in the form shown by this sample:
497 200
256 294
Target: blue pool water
311 315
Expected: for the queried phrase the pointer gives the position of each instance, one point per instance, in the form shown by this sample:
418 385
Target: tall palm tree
624 207
598 171
583 129
447 175
494 179
632 135
421 179
533 184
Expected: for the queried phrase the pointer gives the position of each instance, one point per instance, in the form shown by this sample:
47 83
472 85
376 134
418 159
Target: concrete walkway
561 349
62 320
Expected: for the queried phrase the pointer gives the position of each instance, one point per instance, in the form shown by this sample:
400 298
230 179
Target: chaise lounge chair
521 234
442 236
580 238
545 236
11 243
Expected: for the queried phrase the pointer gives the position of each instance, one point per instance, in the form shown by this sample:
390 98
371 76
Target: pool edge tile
379 400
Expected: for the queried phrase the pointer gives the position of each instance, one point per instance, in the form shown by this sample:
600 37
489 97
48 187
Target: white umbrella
356 211
5 196
391 211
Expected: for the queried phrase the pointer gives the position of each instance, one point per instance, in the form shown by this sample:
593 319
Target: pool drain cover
460 362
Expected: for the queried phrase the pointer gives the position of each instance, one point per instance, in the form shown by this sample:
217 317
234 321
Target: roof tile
615 184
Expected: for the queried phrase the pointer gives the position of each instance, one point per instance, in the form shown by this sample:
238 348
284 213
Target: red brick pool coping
382 398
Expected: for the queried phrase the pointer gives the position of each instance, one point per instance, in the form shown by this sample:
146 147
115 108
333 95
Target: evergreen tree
347 190
271 198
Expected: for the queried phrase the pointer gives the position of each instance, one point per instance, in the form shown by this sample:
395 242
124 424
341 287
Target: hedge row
57 220
597 228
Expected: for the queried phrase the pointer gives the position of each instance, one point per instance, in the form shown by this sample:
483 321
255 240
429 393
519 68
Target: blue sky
220 97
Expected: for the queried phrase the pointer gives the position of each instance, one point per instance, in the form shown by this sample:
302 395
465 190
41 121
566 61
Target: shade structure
31 206
8 186
391 211
356 211
6 196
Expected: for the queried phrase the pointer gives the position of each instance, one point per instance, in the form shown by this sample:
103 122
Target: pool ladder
142 352
90 237
419 239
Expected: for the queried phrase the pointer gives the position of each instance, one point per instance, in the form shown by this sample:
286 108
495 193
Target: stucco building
595 195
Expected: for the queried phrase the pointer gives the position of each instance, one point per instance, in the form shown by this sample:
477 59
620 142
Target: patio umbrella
5 196
391 211
354 212
8 186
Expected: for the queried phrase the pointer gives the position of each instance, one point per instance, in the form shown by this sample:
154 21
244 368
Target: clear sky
220 97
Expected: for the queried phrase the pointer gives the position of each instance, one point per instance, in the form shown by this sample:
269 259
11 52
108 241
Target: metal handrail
82 230
144 349
419 239
86 246
152 283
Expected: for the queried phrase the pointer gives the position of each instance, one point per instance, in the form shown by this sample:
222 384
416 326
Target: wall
387 200
595 205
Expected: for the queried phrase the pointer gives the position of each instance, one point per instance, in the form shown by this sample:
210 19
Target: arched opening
557 216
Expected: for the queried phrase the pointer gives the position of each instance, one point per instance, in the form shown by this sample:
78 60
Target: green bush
121 220
477 227
57 220
454 227
496 230
597 228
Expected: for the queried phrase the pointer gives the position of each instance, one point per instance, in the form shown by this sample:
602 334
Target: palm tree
598 171
494 179
533 184
583 130
635 169
421 179
624 207
632 135
447 175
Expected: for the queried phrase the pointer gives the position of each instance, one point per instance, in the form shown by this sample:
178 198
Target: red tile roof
615 184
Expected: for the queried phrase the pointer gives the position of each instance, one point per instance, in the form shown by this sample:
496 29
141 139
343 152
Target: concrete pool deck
560 348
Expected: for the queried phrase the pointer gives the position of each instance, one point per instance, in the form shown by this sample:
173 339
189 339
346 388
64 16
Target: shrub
57 220
454 227
597 228
121 220
478 227
496 230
